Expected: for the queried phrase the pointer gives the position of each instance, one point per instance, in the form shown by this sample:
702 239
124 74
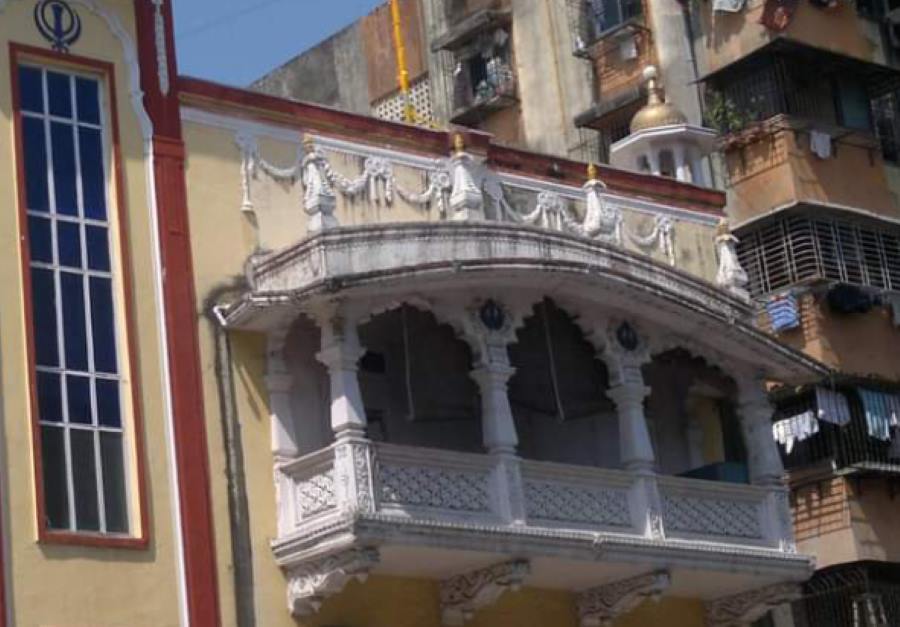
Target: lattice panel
316 494
559 502
391 108
433 487
718 517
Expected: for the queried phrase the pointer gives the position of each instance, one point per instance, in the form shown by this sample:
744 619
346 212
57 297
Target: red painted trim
189 423
106 71
235 101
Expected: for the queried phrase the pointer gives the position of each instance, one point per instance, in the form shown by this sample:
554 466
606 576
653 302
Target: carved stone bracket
310 584
746 608
463 595
598 607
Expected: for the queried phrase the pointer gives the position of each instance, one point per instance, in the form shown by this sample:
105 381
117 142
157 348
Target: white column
653 160
498 425
682 165
755 413
278 385
340 354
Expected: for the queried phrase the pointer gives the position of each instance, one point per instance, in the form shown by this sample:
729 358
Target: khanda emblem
58 23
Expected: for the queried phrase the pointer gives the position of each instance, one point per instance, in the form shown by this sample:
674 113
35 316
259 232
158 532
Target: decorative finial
459 143
309 142
654 92
723 228
592 171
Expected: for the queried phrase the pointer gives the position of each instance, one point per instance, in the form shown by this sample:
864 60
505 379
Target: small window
603 15
78 363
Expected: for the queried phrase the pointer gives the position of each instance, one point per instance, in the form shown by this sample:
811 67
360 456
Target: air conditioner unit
628 49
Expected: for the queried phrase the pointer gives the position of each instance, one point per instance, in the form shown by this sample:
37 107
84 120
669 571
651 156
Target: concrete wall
332 73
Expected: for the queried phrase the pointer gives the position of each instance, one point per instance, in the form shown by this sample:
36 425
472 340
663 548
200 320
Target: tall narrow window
77 362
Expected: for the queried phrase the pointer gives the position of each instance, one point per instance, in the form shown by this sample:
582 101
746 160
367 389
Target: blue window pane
40 242
31 91
84 478
59 94
97 248
86 97
78 391
103 325
92 178
68 238
53 463
112 458
49 397
35 145
63 147
109 412
43 303
74 330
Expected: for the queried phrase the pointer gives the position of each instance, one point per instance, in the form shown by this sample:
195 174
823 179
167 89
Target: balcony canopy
878 79
402 259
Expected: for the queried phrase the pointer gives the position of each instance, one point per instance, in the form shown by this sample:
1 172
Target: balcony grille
858 595
834 447
592 20
792 249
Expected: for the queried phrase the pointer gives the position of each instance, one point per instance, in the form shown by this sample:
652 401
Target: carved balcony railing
365 494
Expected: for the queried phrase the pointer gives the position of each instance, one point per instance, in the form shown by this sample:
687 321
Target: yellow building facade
266 363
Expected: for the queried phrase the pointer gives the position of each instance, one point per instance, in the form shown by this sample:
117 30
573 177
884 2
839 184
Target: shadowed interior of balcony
417 390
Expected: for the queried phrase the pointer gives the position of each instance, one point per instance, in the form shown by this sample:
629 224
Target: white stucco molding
742 610
463 595
310 584
599 607
428 258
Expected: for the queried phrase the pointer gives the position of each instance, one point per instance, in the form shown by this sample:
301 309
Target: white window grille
786 251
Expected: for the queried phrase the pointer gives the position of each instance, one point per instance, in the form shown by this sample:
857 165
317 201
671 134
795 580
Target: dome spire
657 112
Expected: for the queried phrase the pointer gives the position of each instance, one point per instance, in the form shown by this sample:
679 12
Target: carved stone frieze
744 609
463 595
598 607
711 516
310 584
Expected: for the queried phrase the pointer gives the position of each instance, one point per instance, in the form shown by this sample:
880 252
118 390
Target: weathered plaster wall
73 585
332 73
776 168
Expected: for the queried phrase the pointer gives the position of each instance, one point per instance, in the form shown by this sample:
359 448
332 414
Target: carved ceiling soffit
744 609
598 607
310 584
463 595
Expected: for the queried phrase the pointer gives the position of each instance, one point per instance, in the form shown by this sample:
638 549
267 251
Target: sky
237 41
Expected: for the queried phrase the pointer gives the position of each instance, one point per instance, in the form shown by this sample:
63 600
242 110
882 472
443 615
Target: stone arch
557 394
692 418
415 379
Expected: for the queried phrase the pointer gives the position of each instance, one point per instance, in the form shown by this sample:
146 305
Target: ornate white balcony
432 513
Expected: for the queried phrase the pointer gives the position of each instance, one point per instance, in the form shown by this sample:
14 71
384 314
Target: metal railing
856 595
834 447
782 252
592 20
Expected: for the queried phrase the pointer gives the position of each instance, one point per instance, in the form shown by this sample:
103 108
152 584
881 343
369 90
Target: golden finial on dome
459 143
309 142
592 171
657 112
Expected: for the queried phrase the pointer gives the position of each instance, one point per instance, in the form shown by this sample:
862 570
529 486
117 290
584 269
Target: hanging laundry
783 313
820 144
882 412
728 6
795 429
832 406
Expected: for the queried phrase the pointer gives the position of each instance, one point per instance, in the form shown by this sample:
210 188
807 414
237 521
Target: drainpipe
238 507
